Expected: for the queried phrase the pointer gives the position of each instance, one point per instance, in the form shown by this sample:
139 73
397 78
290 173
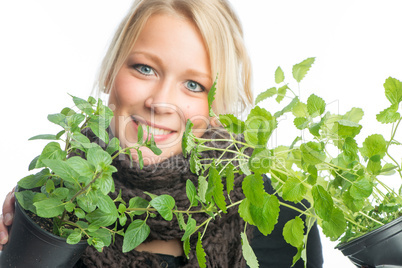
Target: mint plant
344 182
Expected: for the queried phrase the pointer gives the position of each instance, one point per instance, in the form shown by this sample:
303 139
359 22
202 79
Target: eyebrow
159 61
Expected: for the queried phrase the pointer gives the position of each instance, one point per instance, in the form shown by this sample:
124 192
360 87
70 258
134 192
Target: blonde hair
223 37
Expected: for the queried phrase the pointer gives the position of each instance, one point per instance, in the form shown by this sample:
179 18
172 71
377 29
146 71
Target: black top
273 251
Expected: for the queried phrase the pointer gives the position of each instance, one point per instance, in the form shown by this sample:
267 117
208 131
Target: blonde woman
161 63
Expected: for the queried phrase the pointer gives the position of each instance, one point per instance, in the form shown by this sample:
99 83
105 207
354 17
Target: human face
163 82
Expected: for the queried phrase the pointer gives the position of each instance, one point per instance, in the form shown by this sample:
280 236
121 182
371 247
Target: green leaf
248 252
301 122
350 148
63 170
389 115
232 123
74 237
138 202
136 233
354 115
69 207
106 204
217 187
293 232
315 105
211 98
35 180
253 189
164 205
300 109
374 145
86 202
51 151
259 126
229 178
191 192
393 90
265 217
323 203
335 225
202 188
300 70
281 93
200 253
83 105
44 137
82 166
293 190
190 229
98 125
58 119
49 208
100 218
288 107
353 204
361 188
25 199
188 142
347 128
260 161
266 94
279 75
312 153
98 157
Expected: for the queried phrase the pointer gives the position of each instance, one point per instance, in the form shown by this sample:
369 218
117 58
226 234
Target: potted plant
65 206
346 183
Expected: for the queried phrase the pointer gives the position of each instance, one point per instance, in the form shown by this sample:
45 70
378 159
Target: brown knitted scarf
221 242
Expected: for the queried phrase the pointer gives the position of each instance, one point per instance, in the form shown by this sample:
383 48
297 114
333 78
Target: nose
162 98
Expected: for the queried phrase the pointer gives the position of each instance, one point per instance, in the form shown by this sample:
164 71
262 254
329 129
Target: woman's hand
6 218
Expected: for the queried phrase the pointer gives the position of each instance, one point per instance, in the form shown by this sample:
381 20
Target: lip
157 138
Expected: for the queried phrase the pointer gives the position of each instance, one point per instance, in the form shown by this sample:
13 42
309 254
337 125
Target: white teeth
154 130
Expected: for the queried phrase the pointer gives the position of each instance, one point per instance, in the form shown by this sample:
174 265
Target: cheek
198 114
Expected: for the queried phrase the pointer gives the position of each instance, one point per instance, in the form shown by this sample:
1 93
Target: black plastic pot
379 248
30 246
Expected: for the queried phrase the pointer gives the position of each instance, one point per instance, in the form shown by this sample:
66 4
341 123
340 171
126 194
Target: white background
51 48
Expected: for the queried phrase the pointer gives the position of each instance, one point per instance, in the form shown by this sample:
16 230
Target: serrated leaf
260 161
293 190
266 94
265 217
293 232
25 199
232 123
58 119
229 178
135 234
188 142
82 166
288 107
200 253
345 128
300 70
98 157
190 228
323 203
300 109
202 188
335 225
83 105
393 90
138 202
253 189
101 218
215 184
191 192
281 93
279 75
259 126
211 98
374 145
315 105
301 122
248 253
389 115
164 205
354 115
361 188
312 153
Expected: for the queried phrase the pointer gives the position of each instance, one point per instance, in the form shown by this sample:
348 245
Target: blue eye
144 69
194 86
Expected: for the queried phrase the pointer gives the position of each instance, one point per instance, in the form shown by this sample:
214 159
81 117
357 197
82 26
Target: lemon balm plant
346 183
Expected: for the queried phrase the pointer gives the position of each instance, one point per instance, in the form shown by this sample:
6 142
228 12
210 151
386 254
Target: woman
159 67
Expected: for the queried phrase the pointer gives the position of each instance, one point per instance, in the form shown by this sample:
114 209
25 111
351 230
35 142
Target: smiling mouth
147 128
